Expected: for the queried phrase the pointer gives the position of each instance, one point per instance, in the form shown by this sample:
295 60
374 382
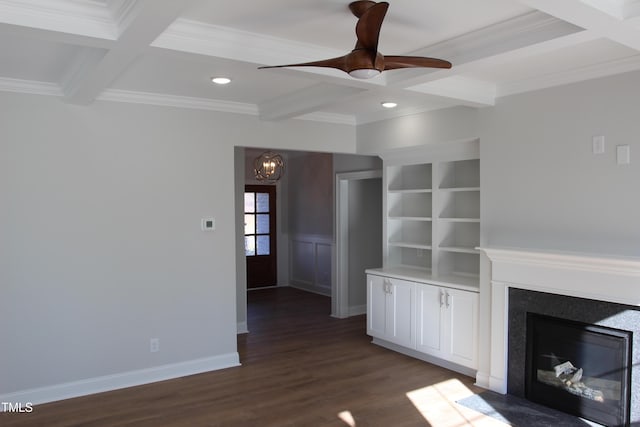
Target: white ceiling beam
593 18
210 40
514 34
91 19
206 39
145 20
305 101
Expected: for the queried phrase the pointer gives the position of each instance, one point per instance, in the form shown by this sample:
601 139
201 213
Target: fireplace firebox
579 368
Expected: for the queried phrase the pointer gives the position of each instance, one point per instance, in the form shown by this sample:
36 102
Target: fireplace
579 368
595 336
601 291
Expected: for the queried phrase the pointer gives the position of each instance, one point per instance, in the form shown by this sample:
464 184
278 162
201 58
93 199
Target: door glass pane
249 245
249 202
263 245
263 202
249 224
263 224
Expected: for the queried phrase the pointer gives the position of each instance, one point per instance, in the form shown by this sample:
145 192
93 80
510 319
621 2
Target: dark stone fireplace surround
601 313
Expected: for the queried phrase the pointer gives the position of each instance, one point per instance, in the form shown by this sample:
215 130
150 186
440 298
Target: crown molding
338 119
471 92
90 18
395 113
589 72
122 12
29 86
148 98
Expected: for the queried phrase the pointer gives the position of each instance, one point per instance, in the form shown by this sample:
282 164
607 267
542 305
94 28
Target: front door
260 235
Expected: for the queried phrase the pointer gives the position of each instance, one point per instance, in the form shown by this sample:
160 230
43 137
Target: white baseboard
325 292
123 380
499 385
425 357
482 379
356 310
243 328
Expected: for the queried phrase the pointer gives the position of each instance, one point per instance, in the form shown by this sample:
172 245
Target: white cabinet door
429 325
447 324
376 306
401 313
391 310
462 314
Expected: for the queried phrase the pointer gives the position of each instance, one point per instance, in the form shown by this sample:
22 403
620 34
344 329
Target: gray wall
541 185
365 235
311 194
101 247
435 127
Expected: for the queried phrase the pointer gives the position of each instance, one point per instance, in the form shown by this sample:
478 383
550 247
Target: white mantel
598 277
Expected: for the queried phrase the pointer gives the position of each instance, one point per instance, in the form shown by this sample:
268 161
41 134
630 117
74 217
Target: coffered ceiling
164 52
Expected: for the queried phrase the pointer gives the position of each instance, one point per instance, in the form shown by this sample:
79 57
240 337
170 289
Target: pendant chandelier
269 166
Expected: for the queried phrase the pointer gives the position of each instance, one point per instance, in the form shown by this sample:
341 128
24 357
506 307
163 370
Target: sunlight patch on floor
437 404
347 418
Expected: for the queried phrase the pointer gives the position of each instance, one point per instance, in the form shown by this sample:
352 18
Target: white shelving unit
432 213
424 300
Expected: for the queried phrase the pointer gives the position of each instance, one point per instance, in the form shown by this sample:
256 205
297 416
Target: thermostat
208 224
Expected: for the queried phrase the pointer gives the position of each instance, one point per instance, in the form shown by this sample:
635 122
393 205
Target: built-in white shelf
454 189
459 249
411 218
412 191
410 245
432 216
459 219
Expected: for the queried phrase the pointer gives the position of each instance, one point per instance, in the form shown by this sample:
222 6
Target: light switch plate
598 144
623 154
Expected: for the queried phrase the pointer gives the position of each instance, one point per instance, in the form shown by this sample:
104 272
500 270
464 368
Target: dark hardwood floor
300 367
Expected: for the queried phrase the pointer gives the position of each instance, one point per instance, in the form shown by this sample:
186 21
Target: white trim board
122 380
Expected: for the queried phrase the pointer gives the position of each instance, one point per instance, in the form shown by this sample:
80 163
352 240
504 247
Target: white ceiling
164 52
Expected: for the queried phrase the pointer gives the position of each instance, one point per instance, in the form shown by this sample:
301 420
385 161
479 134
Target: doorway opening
358 230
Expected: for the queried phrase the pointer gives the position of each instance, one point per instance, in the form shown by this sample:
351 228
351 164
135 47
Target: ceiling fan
364 61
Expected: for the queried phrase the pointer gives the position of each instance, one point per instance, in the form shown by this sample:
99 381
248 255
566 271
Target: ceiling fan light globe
364 73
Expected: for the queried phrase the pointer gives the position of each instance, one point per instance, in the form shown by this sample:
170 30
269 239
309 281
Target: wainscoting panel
310 263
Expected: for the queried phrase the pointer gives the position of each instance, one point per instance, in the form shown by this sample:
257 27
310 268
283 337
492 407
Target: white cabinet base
425 357
427 321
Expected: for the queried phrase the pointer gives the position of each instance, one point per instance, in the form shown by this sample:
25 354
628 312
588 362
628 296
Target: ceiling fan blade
338 63
359 7
395 62
368 26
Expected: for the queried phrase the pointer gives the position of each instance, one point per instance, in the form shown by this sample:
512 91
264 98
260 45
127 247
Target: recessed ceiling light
221 80
389 104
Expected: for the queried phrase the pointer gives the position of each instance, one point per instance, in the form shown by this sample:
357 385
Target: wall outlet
154 345
208 224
